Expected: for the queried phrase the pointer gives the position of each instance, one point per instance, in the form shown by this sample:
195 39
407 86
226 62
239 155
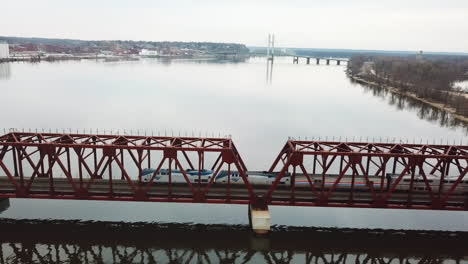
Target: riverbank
48 58
394 90
119 58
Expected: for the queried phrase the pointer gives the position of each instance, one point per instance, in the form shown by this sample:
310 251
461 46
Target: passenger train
263 178
176 175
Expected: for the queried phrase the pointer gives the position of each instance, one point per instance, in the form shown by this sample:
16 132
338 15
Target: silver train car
176 176
434 182
263 178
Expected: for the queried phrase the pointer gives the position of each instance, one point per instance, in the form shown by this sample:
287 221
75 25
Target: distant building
147 52
4 50
367 68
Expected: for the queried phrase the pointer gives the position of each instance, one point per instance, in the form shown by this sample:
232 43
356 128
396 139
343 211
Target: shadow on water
47 241
423 111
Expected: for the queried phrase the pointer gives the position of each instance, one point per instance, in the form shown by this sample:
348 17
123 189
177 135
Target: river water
190 97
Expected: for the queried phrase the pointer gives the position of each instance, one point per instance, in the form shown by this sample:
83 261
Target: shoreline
87 57
51 58
394 90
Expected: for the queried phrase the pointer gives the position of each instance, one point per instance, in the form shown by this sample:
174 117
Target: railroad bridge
305 173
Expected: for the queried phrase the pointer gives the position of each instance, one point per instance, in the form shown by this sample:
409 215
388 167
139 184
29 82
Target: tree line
211 47
429 77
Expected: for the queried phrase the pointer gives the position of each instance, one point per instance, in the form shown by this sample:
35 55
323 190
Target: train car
263 178
419 184
176 176
345 183
254 178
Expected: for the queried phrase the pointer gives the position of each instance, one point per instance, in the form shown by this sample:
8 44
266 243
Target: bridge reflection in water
104 242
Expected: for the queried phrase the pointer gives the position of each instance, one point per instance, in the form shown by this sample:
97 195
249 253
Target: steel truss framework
438 170
113 164
108 167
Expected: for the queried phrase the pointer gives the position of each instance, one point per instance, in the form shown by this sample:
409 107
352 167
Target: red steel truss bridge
305 173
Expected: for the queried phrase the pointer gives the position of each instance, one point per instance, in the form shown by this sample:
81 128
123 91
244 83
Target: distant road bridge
317 59
308 59
305 173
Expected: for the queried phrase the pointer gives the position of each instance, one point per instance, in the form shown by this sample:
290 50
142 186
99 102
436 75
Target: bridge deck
237 193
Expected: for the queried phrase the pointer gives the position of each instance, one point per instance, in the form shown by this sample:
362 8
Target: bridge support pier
308 60
338 62
318 61
4 204
260 243
295 60
328 62
259 218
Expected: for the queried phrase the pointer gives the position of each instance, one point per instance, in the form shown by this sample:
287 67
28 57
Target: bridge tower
271 47
270 58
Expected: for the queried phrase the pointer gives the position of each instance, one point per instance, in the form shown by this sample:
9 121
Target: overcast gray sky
431 25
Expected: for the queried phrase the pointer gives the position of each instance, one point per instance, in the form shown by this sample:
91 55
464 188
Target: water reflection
102 242
5 71
423 111
169 61
269 72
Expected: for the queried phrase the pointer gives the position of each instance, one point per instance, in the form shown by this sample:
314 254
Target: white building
147 52
4 50
367 68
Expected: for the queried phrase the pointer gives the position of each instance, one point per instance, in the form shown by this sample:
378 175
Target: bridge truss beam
373 175
109 167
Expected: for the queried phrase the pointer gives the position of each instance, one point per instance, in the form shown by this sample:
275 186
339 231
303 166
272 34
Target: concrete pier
308 60
318 61
338 62
4 204
260 243
328 62
259 218
295 60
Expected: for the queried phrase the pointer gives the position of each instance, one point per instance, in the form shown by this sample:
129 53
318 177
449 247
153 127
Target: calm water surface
223 98
105 242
